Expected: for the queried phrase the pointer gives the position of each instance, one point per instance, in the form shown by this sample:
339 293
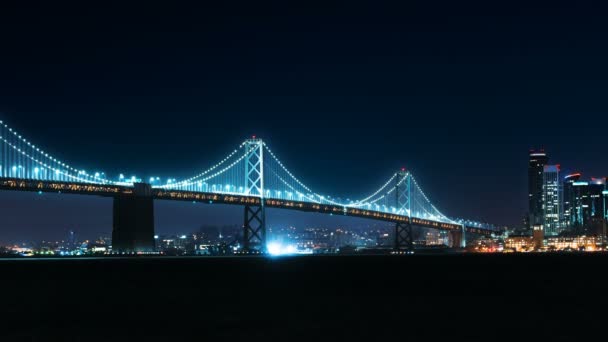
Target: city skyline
564 204
456 109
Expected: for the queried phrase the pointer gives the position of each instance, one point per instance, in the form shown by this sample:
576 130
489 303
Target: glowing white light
277 249
274 248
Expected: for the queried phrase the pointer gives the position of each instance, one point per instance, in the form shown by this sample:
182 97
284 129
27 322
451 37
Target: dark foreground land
476 297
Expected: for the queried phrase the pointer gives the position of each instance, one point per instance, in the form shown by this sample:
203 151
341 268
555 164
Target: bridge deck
233 199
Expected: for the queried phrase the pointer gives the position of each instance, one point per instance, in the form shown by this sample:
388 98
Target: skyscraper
570 200
552 204
584 205
536 168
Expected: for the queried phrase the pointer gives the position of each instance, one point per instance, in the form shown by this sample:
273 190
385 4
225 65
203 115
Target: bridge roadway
109 190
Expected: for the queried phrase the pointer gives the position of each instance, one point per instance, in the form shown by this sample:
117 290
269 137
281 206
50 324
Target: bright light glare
277 249
274 248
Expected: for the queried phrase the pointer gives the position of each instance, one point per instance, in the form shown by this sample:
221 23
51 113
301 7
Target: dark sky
345 92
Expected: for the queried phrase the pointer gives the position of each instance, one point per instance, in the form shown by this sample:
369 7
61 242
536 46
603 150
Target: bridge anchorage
251 176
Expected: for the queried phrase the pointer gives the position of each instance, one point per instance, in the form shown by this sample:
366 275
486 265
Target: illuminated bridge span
251 176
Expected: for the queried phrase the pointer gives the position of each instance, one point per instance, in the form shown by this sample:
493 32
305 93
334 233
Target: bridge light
151 179
36 170
121 176
96 174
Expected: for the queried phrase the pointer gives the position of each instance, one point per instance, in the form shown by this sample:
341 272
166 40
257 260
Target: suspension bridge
251 176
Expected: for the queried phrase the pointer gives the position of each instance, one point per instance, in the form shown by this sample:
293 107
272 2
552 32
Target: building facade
584 205
555 243
552 202
536 168
570 200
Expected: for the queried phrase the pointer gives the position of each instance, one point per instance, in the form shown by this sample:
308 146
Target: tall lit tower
569 200
552 203
536 170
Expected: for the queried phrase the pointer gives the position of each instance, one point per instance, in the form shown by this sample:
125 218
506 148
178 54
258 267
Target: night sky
345 93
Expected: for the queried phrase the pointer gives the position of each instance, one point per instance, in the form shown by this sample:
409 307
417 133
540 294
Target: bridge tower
403 230
254 225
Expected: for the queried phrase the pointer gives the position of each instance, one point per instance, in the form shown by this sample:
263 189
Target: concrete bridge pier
133 228
457 238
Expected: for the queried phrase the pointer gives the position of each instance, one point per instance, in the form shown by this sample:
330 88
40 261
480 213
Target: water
333 297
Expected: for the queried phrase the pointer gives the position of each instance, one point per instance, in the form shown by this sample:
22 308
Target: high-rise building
584 205
596 206
552 204
569 200
580 205
605 205
536 168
